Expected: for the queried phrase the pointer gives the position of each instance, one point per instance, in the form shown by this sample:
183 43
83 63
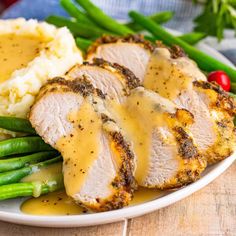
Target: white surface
10 212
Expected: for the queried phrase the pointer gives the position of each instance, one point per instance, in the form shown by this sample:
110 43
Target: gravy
16 51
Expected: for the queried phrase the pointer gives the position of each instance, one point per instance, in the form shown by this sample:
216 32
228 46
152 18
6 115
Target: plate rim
121 214
131 211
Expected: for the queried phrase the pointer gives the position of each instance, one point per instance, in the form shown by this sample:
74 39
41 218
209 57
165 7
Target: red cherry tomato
221 78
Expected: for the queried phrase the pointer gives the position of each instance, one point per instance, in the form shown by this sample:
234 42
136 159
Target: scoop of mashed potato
55 54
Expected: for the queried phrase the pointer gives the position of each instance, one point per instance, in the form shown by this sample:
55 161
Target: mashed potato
30 54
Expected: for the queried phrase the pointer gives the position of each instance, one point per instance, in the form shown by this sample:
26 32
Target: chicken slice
180 80
174 76
113 80
133 52
157 131
97 162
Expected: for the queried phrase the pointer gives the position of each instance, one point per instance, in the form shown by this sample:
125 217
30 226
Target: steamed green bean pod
103 20
83 44
76 28
16 125
34 189
75 12
15 176
190 38
20 162
159 17
23 145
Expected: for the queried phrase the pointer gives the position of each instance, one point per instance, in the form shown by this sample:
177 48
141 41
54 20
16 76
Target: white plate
10 211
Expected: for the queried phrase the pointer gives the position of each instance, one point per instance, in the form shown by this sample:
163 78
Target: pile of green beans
92 23
34 153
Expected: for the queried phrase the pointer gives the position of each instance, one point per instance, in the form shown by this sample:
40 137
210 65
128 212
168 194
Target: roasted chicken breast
97 161
174 76
166 156
133 52
178 78
113 80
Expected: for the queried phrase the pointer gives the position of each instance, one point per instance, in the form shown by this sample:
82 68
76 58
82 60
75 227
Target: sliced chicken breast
133 52
174 76
223 109
166 156
157 131
97 162
180 80
113 80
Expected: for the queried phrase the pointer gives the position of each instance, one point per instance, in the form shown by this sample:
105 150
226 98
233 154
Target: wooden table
211 211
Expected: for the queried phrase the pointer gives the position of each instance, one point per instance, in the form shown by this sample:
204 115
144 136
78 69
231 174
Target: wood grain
211 211
7 229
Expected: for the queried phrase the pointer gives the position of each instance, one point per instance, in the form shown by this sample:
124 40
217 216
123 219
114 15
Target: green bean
192 38
83 44
75 12
17 190
232 95
76 28
160 18
233 87
15 176
20 162
23 145
105 21
16 125
28 189
205 62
